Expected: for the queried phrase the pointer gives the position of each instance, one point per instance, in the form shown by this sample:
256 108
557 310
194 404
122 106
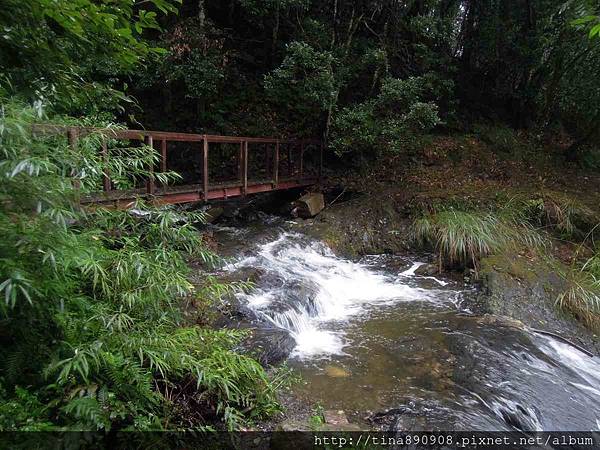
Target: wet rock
500 321
370 224
393 419
346 427
427 270
269 346
335 417
252 274
233 314
213 214
309 205
293 425
526 290
336 372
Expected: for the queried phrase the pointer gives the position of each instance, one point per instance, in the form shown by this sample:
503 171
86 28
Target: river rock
336 372
213 214
335 417
309 205
427 270
269 346
292 425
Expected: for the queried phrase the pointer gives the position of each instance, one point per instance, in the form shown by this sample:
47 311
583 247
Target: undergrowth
462 238
581 298
91 328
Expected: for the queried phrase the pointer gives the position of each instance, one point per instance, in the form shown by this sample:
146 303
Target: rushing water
375 339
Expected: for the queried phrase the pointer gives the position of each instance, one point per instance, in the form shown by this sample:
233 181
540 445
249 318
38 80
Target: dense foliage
93 334
92 322
99 323
75 54
340 69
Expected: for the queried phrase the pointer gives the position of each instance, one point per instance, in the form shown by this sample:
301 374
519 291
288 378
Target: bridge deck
194 193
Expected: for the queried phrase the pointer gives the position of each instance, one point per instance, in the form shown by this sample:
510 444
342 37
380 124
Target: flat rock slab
335 417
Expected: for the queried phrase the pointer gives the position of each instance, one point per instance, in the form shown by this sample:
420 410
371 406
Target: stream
399 351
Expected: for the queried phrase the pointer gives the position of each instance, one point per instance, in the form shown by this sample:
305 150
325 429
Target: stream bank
414 363
373 329
523 286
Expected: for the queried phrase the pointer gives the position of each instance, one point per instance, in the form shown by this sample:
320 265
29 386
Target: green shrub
392 122
590 157
555 211
500 138
304 83
92 298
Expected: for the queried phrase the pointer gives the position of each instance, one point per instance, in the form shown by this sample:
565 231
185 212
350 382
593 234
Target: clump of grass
463 238
582 296
557 211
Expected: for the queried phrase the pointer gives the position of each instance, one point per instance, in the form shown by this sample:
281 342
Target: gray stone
335 417
213 214
269 346
293 425
427 270
309 205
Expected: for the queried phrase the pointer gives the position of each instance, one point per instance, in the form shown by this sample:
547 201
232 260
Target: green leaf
584 20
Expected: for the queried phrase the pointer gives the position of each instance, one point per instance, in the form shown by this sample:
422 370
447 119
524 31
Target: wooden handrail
150 137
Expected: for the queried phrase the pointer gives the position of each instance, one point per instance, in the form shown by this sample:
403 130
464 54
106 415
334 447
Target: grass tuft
582 296
555 211
463 238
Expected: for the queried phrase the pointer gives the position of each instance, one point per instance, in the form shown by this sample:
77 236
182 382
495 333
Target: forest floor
466 169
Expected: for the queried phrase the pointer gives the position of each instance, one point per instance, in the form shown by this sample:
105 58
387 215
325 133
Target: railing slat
205 167
245 169
150 186
276 166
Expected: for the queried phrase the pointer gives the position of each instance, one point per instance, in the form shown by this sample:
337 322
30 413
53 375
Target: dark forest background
365 75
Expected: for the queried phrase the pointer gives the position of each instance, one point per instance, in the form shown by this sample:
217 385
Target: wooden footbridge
212 167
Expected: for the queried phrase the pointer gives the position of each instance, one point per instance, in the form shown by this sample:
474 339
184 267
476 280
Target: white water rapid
324 288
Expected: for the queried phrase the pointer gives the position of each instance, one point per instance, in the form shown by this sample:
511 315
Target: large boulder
309 205
213 214
269 346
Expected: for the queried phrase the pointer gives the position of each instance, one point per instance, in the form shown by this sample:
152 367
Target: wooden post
106 173
276 165
245 169
240 162
163 155
72 136
268 161
150 183
205 168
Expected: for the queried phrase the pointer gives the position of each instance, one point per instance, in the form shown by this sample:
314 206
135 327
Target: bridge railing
284 163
